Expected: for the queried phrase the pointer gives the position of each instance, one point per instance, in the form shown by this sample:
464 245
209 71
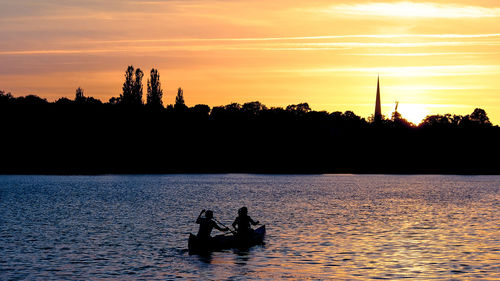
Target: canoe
221 242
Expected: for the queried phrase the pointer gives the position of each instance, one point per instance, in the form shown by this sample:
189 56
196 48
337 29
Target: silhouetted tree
253 108
114 100
137 89
128 87
227 112
435 120
379 121
179 100
132 87
217 112
64 101
351 120
480 117
79 97
91 100
5 97
336 115
396 116
300 108
155 93
31 100
233 107
351 115
399 122
200 110
442 121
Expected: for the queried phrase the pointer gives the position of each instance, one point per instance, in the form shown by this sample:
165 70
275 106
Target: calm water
345 227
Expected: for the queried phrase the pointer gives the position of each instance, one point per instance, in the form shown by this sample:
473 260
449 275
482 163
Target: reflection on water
324 227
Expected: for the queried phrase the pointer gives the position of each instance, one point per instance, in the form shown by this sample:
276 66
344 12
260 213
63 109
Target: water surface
343 227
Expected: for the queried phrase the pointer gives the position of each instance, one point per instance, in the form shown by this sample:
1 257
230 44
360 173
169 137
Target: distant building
378 110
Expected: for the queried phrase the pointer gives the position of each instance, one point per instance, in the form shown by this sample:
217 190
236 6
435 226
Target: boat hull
221 242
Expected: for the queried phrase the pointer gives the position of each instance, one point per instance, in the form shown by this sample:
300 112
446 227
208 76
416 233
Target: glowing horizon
434 57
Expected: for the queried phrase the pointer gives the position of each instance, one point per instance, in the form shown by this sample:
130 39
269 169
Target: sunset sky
432 56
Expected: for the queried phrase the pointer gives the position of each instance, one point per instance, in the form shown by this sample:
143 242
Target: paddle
224 226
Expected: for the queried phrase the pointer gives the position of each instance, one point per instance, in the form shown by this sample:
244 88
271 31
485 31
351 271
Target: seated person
243 221
207 224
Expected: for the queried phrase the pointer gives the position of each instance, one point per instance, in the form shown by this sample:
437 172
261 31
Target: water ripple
343 227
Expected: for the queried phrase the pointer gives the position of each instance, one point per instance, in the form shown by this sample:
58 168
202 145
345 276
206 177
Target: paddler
207 224
243 221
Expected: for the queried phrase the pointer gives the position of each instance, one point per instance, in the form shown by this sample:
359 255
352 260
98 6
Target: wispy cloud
60 52
425 54
297 43
405 71
297 38
397 44
413 10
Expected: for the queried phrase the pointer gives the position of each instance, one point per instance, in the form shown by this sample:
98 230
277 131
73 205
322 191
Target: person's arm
235 223
198 220
215 225
253 222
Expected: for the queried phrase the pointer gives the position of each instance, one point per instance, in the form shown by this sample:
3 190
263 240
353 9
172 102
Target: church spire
378 110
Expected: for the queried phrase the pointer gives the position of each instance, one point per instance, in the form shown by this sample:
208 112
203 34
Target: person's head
243 211
209 214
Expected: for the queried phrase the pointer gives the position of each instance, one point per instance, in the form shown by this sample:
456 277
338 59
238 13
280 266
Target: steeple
378 110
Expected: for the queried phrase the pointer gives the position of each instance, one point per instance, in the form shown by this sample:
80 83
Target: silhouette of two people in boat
242 224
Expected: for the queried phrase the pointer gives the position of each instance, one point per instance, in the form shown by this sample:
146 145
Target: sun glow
414 113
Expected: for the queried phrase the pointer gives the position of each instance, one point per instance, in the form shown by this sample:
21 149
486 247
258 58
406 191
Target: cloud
285 38
425 54
412 10
405 71
303 43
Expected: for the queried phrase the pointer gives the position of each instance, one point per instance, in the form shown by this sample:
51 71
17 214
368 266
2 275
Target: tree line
133 134
132 97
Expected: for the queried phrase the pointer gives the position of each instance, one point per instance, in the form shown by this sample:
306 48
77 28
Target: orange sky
432 56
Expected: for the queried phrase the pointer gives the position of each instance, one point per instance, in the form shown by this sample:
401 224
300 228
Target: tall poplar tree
179 100
137 88
132 87
79 97
128 87
155 93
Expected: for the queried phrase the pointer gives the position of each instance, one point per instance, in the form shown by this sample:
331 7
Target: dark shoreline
88 137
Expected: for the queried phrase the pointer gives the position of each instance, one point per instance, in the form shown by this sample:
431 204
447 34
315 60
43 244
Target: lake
342 227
